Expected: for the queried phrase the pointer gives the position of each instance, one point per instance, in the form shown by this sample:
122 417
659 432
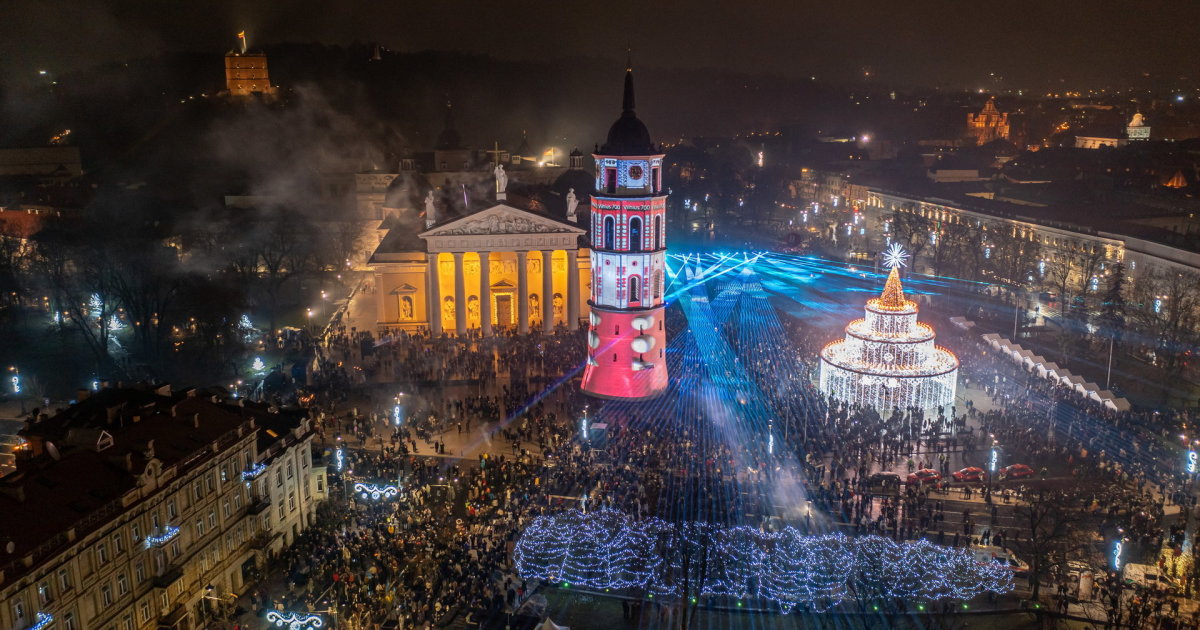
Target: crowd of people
441 550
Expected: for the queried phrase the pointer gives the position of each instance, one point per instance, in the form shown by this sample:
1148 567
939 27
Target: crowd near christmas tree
441 549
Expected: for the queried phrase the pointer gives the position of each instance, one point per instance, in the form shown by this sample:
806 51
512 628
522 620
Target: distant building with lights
988 125
246 74
888 359
146 508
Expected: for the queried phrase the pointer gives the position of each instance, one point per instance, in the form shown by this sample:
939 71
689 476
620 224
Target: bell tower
627 337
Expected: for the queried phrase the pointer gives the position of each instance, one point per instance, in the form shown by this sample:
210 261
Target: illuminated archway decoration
41 621
295 621
169 532
606 549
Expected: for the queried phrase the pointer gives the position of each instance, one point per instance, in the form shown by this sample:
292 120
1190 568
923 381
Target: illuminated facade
888 359
628 336
988 125
437 281
246 74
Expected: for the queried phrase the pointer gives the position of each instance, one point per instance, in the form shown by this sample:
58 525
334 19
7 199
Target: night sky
1063 44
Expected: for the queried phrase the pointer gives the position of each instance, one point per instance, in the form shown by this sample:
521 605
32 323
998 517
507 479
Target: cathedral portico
502 268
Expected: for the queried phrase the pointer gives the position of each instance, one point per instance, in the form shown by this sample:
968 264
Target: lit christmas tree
888 359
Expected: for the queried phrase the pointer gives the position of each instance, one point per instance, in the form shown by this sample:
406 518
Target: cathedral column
523 292
572 290
380 305
433 305
547 291
485 294
460 296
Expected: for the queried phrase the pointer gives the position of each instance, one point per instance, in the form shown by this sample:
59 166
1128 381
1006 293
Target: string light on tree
610 550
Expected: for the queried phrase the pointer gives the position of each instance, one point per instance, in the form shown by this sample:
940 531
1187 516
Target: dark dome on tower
449 139
628 136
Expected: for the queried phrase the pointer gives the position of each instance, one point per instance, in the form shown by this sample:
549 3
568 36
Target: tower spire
627 102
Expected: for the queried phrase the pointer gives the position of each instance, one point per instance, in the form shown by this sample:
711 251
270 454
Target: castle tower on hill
627 338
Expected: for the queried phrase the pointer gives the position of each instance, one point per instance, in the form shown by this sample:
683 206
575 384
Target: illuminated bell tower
627 338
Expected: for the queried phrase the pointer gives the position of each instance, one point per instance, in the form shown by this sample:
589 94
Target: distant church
988 125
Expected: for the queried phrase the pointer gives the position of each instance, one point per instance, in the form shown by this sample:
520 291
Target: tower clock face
635 172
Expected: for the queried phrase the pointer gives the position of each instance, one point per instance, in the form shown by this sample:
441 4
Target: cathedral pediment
501 220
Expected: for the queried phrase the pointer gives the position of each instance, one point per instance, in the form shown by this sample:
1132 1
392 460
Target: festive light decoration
888 359
610 550
258 365
294 621
339 458
253 471
41 621
895 256
1118 548
1192 460
375 491
169 533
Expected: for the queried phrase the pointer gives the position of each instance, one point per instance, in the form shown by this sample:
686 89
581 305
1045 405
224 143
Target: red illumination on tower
628 337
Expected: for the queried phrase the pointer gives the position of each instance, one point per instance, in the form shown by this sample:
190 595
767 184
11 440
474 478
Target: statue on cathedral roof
572 204
430 210
501 178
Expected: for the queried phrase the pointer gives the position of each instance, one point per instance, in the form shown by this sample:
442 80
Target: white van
1019 567
1147 575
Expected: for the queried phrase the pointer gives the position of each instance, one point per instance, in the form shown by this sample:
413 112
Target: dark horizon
1029 46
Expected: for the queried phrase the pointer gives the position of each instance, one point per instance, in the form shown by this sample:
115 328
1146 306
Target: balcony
258 505
264 540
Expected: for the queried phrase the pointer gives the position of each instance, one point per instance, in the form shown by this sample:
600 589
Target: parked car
1016 471
885 479
925 475
1002 556
970 473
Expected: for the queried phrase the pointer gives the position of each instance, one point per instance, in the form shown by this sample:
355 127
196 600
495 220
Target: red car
925 475
1016 471
970 473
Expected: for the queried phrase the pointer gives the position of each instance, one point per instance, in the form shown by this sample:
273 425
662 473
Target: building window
136 530
320 483
278 478
106 595
139 571
224 474
289 470
144 612
118 542
199 528
292 501
281 512
69 621
101 554
609 240
127 622
44 594
196 490
165 600
175 549
18 608
64 580
635 289
225 511
635 234
610 180
171 511
212 519
122 583
658 232
208 483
